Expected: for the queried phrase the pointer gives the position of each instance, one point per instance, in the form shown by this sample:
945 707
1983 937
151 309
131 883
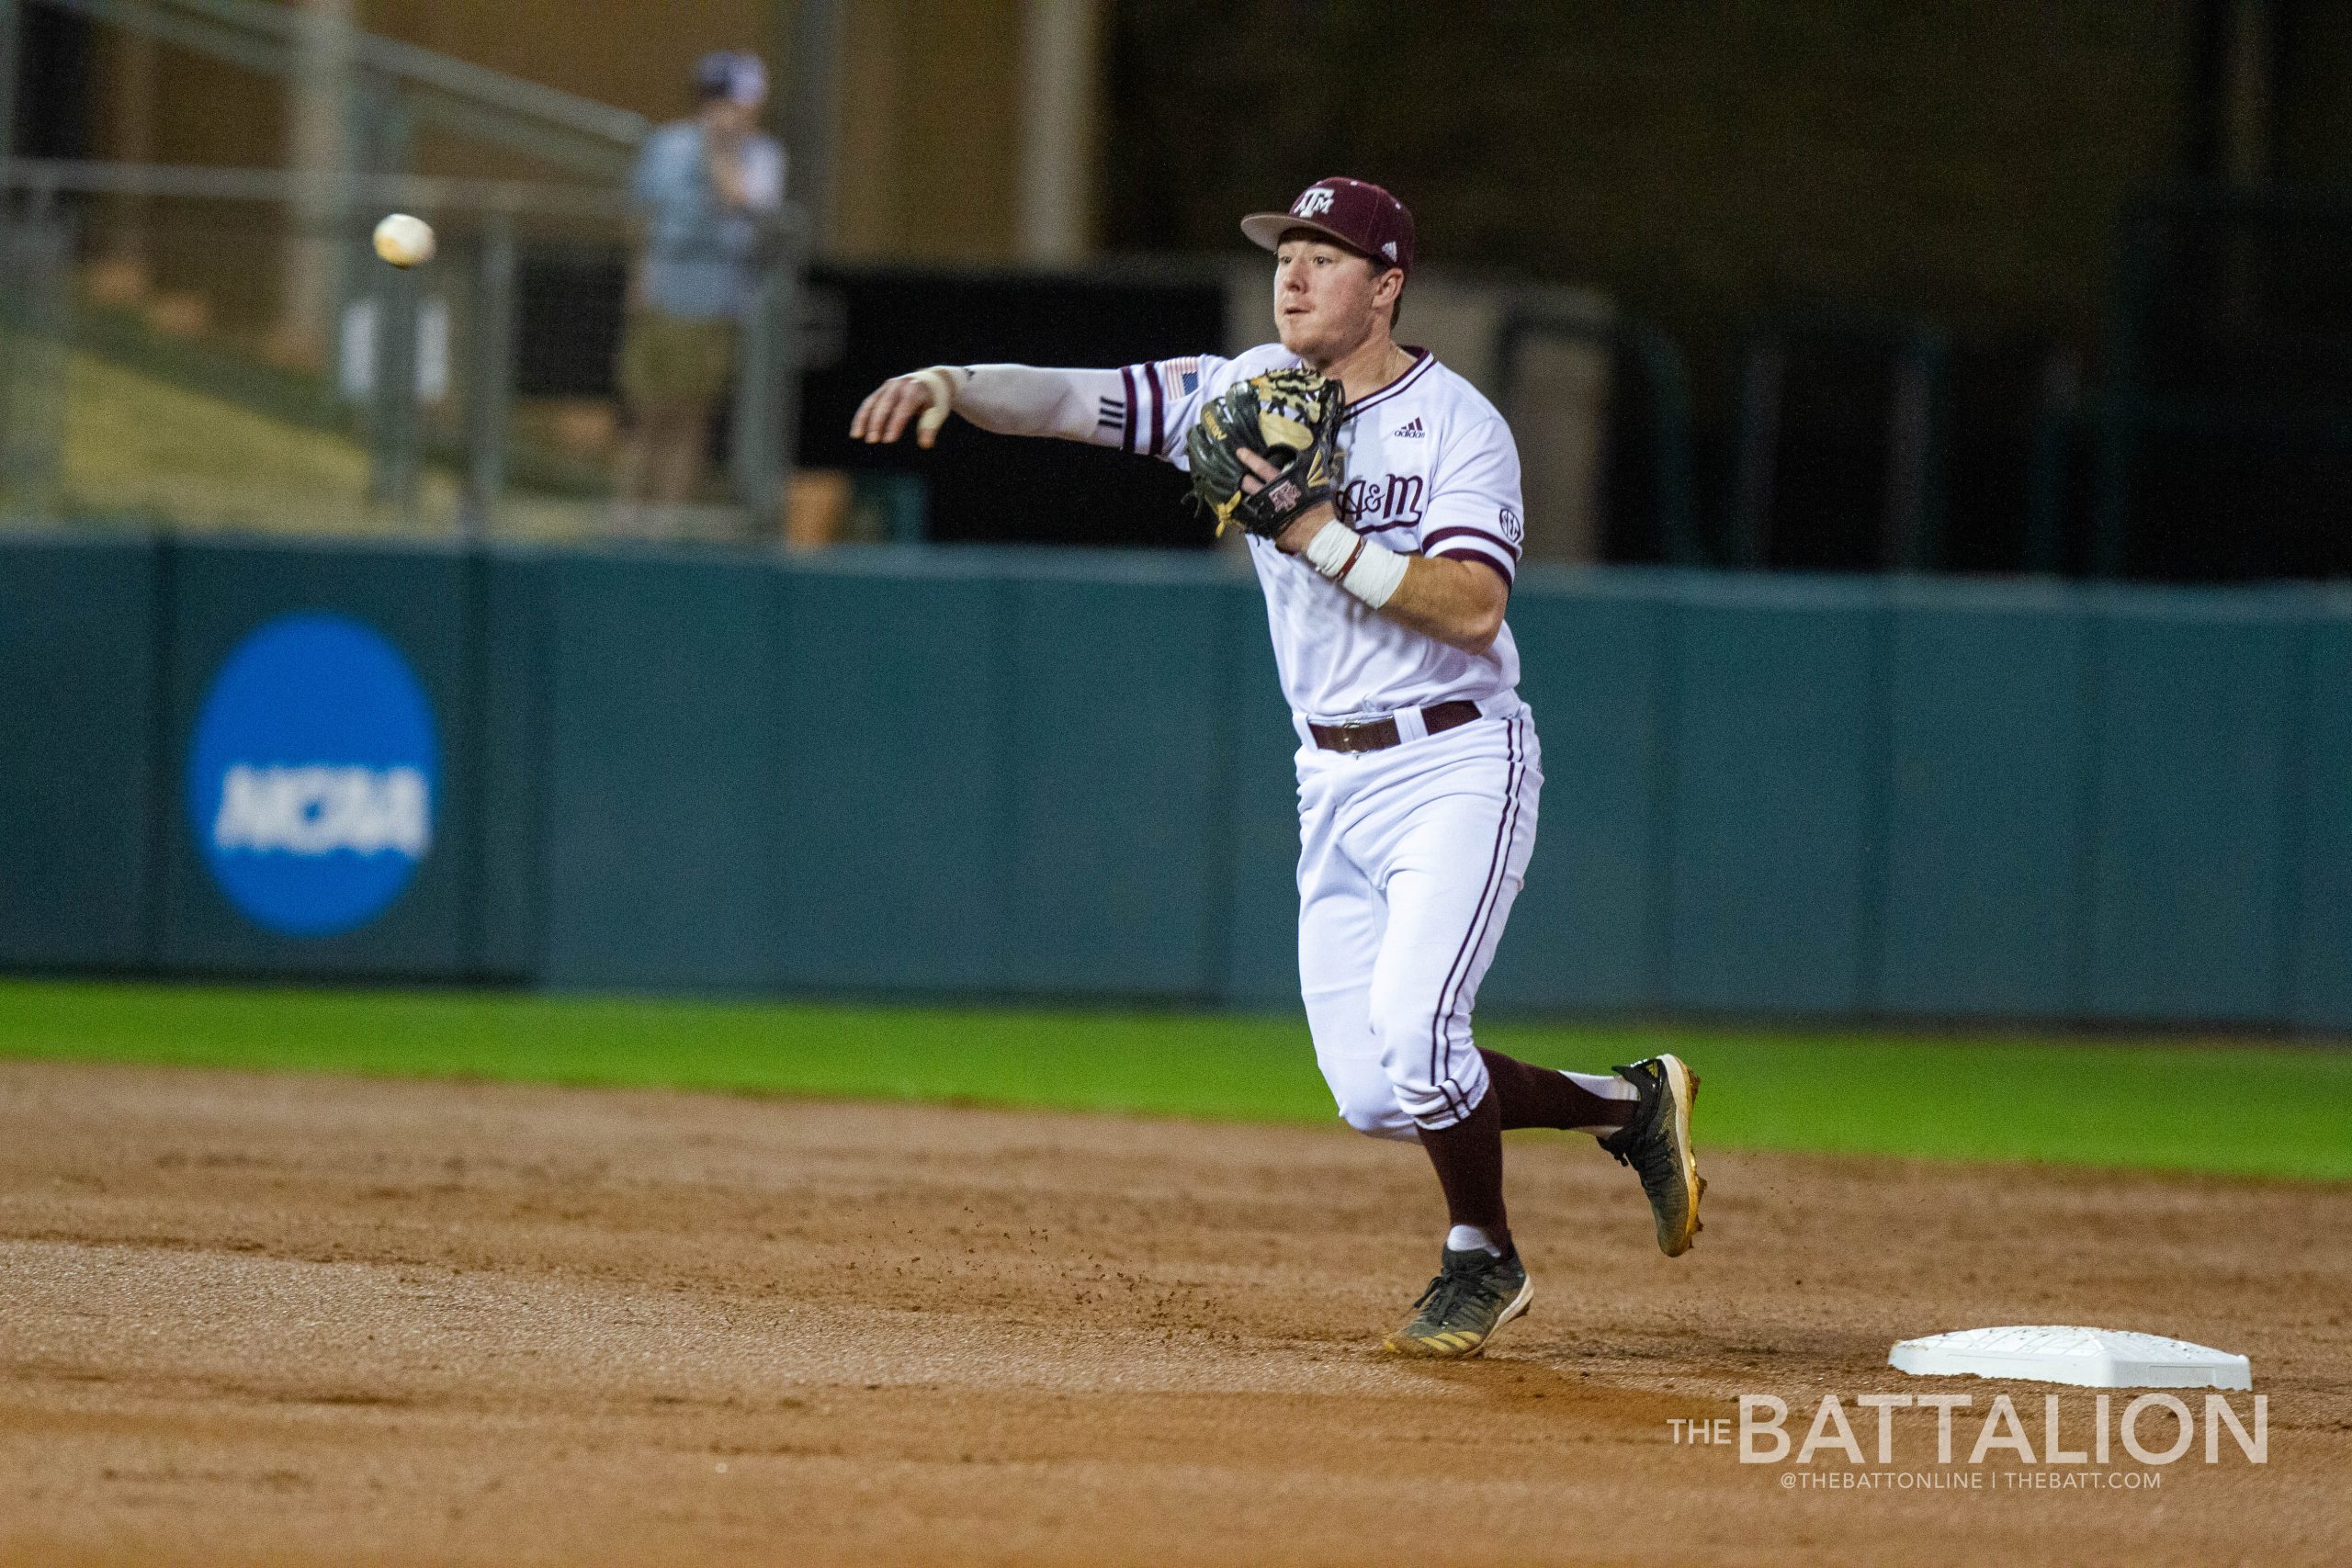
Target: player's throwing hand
927 396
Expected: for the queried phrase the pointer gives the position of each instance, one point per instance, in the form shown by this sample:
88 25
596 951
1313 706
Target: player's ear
1388 290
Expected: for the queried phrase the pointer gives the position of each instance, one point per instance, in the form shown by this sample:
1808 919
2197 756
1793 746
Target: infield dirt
281 1319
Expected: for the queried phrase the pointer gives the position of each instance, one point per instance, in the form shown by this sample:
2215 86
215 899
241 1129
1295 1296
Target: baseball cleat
1473 1294
1657 1143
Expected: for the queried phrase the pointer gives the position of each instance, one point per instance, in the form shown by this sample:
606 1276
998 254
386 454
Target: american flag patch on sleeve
1181 377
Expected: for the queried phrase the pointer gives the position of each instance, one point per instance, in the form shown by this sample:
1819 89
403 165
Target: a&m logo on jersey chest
1383 500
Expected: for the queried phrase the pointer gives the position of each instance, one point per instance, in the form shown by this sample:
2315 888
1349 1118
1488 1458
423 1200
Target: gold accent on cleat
1456 1344
1656 1145
1695 1183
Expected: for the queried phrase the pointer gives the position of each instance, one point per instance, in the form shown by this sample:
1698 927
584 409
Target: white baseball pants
1408 860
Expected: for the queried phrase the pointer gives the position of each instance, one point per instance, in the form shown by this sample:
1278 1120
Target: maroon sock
1538 1097
1469 1160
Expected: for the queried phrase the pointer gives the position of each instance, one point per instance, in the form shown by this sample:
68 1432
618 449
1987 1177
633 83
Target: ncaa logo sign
312 775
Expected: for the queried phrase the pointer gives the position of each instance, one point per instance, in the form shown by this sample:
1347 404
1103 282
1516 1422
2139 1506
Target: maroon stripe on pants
1506 830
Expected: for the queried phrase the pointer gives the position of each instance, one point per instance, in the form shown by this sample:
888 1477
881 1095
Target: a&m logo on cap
1316 201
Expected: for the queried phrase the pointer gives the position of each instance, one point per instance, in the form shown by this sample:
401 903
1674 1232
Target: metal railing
1905 390
400 85
417 414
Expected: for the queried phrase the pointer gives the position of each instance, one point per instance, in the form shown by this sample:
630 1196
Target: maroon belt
1379 734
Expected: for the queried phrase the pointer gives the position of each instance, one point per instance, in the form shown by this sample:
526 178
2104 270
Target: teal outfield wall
1016 774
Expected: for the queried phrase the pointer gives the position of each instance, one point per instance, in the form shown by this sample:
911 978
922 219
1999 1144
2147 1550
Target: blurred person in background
700 191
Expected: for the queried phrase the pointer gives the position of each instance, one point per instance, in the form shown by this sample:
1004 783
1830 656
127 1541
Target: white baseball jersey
1431 469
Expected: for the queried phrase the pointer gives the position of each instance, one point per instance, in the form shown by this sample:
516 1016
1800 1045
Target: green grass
2249 1109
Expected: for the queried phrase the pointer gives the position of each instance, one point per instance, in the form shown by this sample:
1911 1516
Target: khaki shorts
671 359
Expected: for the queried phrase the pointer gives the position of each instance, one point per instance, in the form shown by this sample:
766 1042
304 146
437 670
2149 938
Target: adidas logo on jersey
1412 430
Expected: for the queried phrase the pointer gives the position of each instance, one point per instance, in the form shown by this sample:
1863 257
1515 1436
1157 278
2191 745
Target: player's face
1325 299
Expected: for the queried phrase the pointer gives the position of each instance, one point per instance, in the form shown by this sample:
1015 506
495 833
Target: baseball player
1381 495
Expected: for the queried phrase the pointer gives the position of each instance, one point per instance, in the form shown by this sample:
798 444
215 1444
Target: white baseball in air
404 240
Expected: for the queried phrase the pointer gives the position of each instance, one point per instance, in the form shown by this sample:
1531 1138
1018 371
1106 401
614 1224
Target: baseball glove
1291 418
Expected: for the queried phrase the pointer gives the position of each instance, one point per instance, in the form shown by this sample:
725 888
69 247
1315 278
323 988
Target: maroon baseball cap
1357 214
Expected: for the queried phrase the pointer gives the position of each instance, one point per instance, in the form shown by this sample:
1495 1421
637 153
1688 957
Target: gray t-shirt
698 252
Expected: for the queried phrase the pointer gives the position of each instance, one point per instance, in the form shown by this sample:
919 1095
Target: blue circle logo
313 775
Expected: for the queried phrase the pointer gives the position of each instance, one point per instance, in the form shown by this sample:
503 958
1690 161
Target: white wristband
1368 570
943 380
